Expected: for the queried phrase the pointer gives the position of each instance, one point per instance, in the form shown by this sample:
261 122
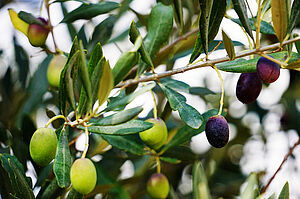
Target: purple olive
248 87
217 131
268 70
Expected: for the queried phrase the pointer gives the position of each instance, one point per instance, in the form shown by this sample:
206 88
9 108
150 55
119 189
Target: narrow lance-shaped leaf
205 6
62 162
229 47
29 18
88 11
295 16
200 185
133 35
241 10
103 30
106 83
250 190
18 23
160 25
178 13
285 193
280 18
265 27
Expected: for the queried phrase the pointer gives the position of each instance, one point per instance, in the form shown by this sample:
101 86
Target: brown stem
153 77
51 27
283 161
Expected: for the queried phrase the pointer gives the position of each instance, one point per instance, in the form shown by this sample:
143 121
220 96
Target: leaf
185 133
297 44
88 11
84 75
51 191
178 103
118 118
71 28
201 91
175 84
17 177
178 14
22 61
294 65
205 7
124 64
130 143
133 35
294 17
265 27
200 185
82 37
240 8
250 189
280 18
130 127
73 194
62 161
18 23
284 194
29 18
228 46
170 160
216 16
106 83
127 99
160 24
103 30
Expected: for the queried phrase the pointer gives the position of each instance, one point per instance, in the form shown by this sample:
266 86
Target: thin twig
51 27
157 76
283 161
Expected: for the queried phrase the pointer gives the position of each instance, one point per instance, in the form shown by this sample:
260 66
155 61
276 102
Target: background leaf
18 23
280 18
103 30
200 184
284 194
205 7
295 16
106 83
228 46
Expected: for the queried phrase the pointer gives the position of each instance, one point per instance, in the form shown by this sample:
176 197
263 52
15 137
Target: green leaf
284 194
280 18
62 162
265 27
127 99
82 37
103 30
160 24
88 11
228 46
130 143
294 17
133 35
178 14
272 196
175 84
71 28
297 44
118 118
200 185
51 191
170 160
241 10
130 127
29 18
205 7
17 177
201 91
73 194
294 65
124 64
216 16
22 61
251 187
178 103
106 84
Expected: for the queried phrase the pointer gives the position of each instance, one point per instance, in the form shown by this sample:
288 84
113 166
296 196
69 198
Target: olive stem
210 62
280 166
51 27
55 118
273 60
155 107
86 142
257 25
158 164
222 85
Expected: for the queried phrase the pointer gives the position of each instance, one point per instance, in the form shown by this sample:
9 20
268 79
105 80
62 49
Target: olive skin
37 34
217 131
248 87
157 135
158 186
55 67
83 175
43 146
267 70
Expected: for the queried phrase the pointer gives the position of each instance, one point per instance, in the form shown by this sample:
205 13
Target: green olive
37 34
157 135
43 145
55 67
83 175
158 186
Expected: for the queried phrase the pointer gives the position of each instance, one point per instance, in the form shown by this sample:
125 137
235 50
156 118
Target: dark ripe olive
248 87
267 70
217 131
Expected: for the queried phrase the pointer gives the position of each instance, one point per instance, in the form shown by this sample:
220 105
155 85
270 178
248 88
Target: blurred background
260 134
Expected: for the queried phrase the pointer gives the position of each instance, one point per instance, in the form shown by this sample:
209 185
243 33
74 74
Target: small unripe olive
158 186
248 87
267 70
217 131
83 175
55 67
43 145
37 34
157 135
